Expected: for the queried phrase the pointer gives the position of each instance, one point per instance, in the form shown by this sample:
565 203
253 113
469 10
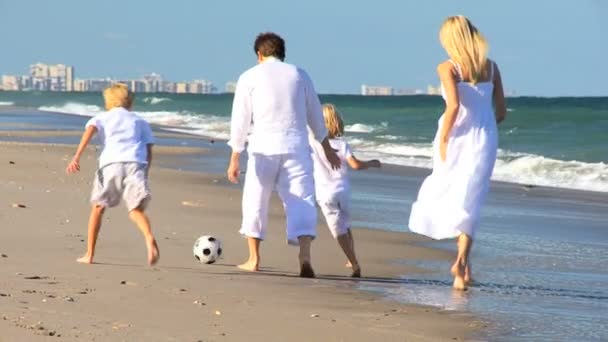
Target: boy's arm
74 165
357 164
149 158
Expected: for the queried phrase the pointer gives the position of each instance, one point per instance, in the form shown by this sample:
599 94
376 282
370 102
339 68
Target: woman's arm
500 106
447 75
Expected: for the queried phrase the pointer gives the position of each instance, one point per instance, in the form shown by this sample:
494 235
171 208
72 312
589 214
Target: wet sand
44 292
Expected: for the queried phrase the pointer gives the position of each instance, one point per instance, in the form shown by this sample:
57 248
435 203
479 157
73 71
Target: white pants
336 209
292 175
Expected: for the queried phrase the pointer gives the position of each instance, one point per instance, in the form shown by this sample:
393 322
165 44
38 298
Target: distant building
52 77
432 90
10 82
376 90
81 85
153 83
181 87
230 87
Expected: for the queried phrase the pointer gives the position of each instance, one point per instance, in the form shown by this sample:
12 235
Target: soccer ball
207 249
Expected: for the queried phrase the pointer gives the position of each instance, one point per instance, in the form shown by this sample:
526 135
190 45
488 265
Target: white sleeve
241 116
314 111
347 150
94 121
147 136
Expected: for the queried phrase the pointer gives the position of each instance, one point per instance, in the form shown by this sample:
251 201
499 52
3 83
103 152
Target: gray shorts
128 181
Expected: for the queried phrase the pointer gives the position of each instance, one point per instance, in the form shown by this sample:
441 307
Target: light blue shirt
124 137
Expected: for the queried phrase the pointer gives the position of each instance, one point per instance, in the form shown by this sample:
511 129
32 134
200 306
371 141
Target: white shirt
124 136
327 179
274 102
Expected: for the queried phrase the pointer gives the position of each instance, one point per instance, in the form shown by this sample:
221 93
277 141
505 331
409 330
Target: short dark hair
270 44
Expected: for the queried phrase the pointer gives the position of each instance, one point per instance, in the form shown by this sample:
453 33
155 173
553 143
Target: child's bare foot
356 272
458 273
153 252
250 265
306 270
86 259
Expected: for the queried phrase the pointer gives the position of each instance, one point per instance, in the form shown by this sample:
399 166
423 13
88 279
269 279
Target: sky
543 47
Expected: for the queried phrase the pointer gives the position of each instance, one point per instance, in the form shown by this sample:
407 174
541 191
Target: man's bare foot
458 273
86 259
306 270
356 272
153 252
250 265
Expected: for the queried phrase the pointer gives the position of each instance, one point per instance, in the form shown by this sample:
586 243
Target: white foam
75 108
7 103
363 128
155 100
513 167
200 124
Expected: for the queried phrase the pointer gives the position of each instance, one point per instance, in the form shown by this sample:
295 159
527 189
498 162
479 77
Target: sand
45 294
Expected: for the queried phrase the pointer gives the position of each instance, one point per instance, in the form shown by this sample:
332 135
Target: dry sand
44 292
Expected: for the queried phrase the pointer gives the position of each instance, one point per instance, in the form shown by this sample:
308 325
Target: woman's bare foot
306 270
468 278
458 273
356 272
86 259
250 265
153 252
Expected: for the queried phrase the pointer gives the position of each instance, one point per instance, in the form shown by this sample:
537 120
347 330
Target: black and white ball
207 249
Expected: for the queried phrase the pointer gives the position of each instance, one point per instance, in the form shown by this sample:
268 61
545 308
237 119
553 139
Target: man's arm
240 124
314 116
74 165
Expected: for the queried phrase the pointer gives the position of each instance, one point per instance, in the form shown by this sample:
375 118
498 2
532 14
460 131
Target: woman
465 145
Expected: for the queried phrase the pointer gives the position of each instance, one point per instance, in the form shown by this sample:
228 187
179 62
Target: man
274 103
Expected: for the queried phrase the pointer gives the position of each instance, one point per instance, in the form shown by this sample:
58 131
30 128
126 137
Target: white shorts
336 209
292 175
121 180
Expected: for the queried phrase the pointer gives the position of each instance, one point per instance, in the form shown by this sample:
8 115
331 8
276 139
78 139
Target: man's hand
331 155
73 166
234 168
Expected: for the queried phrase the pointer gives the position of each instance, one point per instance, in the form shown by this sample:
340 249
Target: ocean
559 142
540 256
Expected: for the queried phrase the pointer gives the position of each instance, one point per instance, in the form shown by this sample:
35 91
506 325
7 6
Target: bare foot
153 252
468 278
306 270
250 265
356 272
348 264
458 273
86 259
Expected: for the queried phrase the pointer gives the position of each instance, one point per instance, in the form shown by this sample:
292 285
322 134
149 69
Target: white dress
450 198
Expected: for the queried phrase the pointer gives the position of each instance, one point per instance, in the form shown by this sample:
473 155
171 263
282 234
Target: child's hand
374 163
73 166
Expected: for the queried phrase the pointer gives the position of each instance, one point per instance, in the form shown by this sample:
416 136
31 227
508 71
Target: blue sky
543 47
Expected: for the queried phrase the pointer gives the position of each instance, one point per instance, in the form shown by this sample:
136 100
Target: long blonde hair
466 46
333 121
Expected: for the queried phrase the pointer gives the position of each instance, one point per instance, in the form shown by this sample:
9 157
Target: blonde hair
333 121
118 95
466 46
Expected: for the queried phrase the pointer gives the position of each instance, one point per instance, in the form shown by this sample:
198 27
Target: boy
123 169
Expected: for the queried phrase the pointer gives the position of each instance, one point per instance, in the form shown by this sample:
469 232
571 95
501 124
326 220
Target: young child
333 186
123 166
